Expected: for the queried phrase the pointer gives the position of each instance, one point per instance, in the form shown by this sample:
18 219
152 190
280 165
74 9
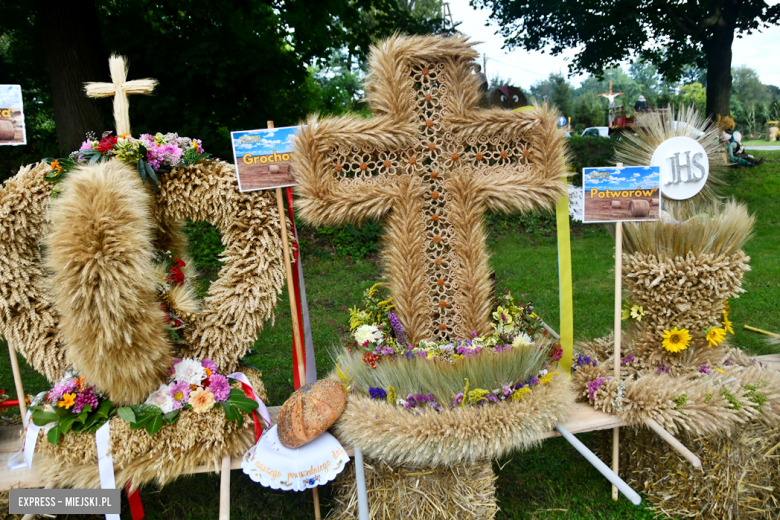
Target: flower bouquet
506 365
150 154
193 385
72 404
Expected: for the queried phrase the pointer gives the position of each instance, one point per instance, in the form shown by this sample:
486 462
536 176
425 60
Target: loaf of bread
310 411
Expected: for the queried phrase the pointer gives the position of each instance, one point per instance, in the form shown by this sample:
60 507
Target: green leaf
141 423
126 413
141 170
171 417
230 411
82 417
146 410
152 176
243 403
104 408
41 418
54 435
154 425
65 424
87 408
61 411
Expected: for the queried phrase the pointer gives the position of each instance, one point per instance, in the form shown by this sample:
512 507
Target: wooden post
618 326
224 489
18 383
674 443
301 368
618 330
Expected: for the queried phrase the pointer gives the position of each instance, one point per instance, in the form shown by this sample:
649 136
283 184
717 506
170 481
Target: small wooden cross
612 95
120 88
431 164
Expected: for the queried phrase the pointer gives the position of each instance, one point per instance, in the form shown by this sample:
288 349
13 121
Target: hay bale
6 130
653 202
639 208
461 492
615 204
739 478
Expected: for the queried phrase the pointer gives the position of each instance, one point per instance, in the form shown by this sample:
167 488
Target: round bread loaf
310 411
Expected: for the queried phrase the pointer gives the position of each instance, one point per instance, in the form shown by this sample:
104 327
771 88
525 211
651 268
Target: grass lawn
760 142
552 481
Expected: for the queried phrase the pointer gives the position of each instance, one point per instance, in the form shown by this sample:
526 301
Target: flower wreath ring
231 315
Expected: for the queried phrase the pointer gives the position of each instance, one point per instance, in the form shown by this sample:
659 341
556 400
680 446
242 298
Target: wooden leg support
224 490
674 443
18 383
317 514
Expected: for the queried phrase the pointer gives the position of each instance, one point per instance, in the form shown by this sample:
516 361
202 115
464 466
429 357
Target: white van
595 131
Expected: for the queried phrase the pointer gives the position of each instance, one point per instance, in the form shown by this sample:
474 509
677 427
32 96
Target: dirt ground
258 176
600 210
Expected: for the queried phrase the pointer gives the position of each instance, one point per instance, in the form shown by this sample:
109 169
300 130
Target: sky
758 51
631 177
10 97
268 141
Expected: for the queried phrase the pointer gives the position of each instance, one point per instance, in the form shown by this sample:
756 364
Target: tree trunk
75 54
718 50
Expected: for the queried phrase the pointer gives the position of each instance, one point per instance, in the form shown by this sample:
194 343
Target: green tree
748 88
222 66
670 34
694 95
556 91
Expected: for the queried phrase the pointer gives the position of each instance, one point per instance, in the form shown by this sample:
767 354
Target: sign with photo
262 158
12 131
621 194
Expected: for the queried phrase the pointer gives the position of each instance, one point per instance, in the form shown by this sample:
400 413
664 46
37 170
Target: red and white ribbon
261 411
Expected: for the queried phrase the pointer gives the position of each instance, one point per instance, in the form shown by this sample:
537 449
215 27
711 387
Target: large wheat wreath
53 326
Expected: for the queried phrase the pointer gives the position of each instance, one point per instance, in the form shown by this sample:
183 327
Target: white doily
314 464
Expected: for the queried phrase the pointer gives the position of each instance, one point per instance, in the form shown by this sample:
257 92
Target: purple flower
398 329
63 387
662 369
377 393
198 144
83 399
532 381
626 360
727 362
220 387
704 369
584 360
458 399
207 363
593 387
181 394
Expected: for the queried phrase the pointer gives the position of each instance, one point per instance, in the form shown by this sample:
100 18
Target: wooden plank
10 438
585 418
17 478
773 360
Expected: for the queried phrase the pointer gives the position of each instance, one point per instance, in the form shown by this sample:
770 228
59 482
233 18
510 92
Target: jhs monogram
691 164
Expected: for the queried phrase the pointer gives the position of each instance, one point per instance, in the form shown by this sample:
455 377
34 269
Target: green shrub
589 152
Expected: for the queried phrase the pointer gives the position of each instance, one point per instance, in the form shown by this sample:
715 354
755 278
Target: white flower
543 372
369 333
400 402
449 347
190 371
522 340
161 399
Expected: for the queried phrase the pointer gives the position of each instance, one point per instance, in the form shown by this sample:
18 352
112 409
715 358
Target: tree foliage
222 66
666 33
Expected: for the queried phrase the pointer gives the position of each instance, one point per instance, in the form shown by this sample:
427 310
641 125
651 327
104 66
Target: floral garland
676 340
150 154
192 385
376 332
74 405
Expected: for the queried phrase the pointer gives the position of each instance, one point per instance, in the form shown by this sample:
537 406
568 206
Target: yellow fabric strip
564 282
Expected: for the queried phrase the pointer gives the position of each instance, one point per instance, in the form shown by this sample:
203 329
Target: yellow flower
547 378
502 316
676 340
727 324
465 393
478 395
430 356
201 400
343 376
625 314
637 312
68 400
720 370
715 336
726 307
518 394
457 357
391 395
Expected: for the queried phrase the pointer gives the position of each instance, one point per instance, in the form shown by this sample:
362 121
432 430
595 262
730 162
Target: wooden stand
618 330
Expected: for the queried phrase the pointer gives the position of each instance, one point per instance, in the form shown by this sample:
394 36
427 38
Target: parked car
595 131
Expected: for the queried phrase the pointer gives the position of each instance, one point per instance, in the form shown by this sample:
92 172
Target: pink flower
180 392
83 399
207 363
219 387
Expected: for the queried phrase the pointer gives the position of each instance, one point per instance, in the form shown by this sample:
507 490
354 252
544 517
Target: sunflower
676 340
715 335
727 324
